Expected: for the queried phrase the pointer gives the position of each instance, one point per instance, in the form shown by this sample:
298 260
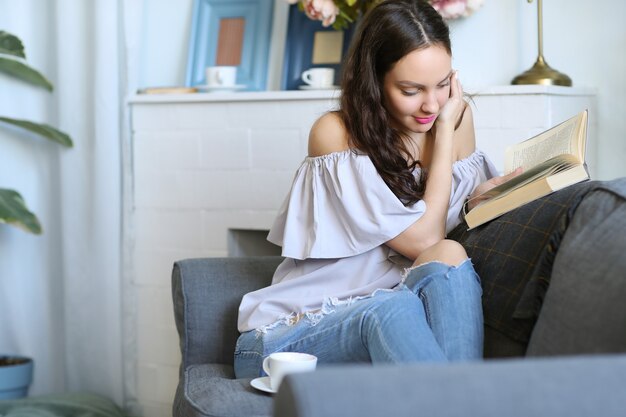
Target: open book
552 160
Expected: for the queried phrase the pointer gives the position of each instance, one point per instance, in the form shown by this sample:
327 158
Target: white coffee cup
221 76
279 364
319 77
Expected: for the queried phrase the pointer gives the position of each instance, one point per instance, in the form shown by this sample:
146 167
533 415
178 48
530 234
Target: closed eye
411 92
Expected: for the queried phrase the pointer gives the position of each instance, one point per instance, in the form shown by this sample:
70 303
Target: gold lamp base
541 73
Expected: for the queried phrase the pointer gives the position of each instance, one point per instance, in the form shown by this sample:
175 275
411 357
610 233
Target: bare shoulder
328 135
464 135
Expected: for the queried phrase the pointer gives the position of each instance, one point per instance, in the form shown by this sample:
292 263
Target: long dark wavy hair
387 33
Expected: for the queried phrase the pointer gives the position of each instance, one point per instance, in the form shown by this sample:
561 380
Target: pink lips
425 120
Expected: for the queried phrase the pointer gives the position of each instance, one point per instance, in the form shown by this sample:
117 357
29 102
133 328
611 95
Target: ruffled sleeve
467 174
339 206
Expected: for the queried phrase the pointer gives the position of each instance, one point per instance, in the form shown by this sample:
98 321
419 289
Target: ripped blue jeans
435 315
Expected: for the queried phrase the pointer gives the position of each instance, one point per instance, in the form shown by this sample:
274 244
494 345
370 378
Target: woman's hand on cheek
478 195
453 109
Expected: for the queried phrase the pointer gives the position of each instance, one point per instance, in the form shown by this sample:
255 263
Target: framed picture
311 45
231 33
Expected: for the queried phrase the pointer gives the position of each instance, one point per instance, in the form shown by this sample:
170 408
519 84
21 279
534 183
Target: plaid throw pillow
513 256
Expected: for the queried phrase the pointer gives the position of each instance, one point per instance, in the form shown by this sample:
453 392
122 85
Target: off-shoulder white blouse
332 228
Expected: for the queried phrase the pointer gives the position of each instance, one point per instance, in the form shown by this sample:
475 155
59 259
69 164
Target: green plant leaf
13 211
20 70
44 130
11 45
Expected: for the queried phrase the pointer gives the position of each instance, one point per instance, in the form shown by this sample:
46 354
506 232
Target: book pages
551 161
557 141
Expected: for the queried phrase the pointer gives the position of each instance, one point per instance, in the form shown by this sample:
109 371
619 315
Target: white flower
324 10
453 9
472 6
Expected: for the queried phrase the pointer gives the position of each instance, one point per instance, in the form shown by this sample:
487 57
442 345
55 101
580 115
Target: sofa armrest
206 294
566 386
584 310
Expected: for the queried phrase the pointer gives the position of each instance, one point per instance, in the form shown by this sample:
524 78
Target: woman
368 274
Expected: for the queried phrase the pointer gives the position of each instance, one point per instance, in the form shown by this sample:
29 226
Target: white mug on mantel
221 76
319 77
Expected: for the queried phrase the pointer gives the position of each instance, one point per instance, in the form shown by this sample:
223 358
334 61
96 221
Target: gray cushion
556 387
206 294
211 390
584 309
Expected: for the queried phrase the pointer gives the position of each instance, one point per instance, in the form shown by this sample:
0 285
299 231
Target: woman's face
417 87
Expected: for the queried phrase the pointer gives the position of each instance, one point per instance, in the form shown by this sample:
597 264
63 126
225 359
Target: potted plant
16 371
16 374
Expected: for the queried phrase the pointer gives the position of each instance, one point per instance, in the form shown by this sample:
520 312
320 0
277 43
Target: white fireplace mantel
202 171
503 90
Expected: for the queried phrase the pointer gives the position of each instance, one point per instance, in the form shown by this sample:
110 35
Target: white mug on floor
221 76
319 77
279 364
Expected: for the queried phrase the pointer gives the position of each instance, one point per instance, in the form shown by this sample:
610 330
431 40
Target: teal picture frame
203 42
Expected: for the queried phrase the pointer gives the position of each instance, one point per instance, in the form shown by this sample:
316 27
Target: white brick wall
203 164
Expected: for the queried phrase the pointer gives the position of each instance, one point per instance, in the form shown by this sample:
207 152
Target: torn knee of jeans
315 316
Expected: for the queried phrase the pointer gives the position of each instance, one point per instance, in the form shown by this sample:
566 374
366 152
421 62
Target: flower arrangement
342 13
454 9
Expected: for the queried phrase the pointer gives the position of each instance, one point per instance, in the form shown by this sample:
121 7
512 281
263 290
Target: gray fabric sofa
565 359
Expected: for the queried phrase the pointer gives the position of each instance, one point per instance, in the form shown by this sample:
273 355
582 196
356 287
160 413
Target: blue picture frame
252 72
299 48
